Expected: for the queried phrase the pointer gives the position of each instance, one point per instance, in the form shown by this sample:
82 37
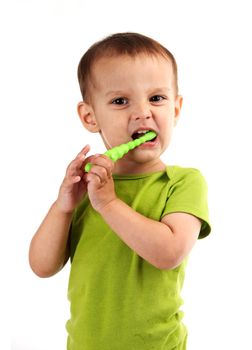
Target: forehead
118 71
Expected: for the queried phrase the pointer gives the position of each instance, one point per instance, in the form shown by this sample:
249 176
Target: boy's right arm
49 249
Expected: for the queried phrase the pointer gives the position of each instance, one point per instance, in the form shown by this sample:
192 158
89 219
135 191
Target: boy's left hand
100 184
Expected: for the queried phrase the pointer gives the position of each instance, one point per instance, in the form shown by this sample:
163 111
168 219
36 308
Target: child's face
130 94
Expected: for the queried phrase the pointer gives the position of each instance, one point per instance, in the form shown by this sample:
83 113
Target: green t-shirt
119 301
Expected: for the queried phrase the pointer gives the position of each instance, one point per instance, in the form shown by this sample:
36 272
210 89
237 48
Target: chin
147 158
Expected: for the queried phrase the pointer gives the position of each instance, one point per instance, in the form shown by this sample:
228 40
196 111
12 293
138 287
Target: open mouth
140 133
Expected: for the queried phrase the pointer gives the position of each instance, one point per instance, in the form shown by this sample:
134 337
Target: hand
74 185
100 184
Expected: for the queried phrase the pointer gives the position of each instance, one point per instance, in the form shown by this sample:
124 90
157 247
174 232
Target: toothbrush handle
118 152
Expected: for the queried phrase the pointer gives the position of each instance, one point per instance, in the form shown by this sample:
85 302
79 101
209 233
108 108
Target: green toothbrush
119 151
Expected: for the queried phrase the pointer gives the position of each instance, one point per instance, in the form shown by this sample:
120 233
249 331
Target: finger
81 156
103 161
74 175
84 151
78 162
92 180
73 167
100 172
69 181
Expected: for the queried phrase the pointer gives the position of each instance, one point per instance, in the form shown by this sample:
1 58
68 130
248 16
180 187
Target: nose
141 111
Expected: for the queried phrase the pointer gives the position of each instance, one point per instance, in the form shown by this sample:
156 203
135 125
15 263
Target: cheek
113 135
167 135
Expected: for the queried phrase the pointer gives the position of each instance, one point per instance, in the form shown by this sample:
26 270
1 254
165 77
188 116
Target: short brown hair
130 44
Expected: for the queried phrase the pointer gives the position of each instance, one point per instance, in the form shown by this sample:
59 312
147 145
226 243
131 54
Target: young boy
128 226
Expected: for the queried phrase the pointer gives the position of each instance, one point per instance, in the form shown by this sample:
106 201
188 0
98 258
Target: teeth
142 131
139 133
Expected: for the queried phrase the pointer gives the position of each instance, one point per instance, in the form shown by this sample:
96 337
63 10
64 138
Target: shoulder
185 177
176 172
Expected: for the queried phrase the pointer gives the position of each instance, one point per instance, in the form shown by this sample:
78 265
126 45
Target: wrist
58 207
108 207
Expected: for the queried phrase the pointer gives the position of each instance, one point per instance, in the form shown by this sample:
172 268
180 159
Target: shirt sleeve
188 194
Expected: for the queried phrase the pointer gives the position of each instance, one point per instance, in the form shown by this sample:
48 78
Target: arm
49 247
163 244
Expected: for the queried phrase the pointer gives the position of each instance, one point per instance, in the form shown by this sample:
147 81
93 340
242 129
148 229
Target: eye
157 98
120 101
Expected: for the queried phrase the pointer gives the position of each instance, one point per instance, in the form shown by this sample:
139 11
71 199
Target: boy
127 227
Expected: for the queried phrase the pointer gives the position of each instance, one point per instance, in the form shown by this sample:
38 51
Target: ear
87 117
178 106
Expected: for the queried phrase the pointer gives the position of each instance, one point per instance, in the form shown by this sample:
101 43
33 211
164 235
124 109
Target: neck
126 167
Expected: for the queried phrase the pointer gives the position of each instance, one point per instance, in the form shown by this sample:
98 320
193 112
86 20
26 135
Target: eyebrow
120 92
115 92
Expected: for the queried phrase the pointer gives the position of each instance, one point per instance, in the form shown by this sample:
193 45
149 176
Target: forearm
49 246
150 239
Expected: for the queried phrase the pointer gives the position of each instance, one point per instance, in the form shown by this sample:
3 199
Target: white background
41 44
